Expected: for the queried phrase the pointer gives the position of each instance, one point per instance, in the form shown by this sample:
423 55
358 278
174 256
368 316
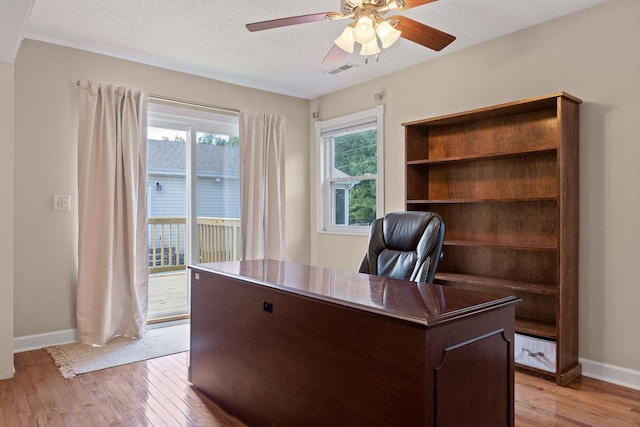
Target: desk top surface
422 303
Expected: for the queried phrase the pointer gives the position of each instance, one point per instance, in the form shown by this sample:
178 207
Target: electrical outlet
61 203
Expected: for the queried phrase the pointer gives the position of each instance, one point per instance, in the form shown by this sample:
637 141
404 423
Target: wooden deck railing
218 240
166 244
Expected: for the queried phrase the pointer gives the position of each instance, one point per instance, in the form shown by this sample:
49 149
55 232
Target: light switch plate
62 203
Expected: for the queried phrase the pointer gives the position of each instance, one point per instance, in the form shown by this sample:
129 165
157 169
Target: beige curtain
262 185
112 239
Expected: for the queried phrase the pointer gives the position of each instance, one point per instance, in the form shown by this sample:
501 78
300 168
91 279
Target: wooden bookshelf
505 181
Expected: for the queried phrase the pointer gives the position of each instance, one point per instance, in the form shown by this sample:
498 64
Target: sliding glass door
193 200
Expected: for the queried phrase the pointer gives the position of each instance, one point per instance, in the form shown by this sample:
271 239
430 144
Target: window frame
325 131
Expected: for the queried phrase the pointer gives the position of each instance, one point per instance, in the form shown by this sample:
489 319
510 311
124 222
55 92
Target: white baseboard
35 342
611 374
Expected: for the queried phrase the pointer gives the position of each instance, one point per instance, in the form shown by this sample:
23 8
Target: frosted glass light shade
387 34
346 40
370 48
364 31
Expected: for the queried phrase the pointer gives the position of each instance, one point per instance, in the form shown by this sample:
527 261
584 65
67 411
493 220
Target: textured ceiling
208 37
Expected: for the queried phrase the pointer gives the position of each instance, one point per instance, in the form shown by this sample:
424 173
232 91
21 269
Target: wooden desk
282 344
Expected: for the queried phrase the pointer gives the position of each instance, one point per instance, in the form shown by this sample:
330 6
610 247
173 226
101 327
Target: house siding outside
218 181
214 199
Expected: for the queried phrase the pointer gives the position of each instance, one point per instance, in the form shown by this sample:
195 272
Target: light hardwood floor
157 393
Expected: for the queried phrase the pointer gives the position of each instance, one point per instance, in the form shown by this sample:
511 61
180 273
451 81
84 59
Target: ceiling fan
369 26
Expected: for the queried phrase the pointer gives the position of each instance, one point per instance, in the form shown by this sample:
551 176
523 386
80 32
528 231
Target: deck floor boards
168 295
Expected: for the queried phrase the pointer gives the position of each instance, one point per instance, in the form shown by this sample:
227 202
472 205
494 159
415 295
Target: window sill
349 232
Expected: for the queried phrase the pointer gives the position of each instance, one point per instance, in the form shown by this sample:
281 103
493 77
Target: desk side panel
471 374
305 363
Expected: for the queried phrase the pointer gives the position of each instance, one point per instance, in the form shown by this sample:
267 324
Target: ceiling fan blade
422 34
408 4
292 20
335 55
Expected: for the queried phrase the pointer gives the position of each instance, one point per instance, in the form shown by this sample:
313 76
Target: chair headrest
402 230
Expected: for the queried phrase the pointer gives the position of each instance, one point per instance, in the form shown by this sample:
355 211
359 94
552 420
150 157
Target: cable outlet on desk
267 306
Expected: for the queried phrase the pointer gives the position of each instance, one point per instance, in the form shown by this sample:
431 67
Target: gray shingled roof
170 157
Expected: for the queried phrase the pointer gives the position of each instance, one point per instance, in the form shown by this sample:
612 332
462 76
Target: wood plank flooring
150 393
157 393
586 402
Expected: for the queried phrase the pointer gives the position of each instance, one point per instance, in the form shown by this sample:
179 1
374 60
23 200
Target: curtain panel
112 238
262 215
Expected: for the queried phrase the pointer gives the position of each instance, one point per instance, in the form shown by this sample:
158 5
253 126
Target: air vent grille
341 68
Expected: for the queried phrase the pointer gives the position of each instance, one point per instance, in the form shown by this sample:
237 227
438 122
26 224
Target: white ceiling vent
341 68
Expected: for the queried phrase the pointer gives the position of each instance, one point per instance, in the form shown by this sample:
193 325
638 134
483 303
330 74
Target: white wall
594 55
6 220
46 122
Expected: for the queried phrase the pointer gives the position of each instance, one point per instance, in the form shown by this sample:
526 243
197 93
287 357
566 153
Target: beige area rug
73 359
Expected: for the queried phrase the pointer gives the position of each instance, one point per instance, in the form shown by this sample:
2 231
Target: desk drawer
535 352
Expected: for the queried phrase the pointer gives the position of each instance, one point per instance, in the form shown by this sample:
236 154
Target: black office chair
405 245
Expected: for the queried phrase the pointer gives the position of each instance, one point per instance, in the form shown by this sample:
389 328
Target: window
350 166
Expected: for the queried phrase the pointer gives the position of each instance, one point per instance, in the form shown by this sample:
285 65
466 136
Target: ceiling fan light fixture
364 31
387 34
367 25
346 40
395 4
370 48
